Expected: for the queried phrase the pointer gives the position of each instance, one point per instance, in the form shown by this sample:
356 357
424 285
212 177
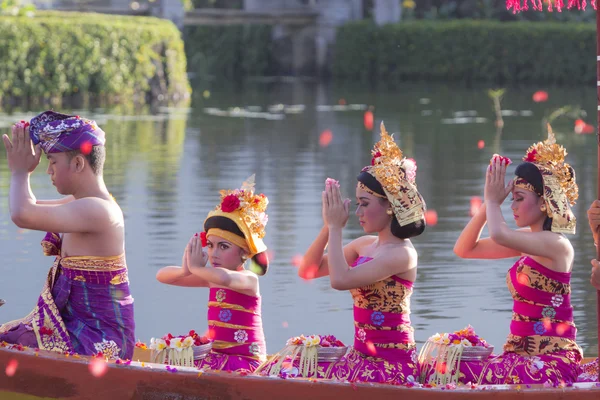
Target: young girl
378 270
541 346
234 233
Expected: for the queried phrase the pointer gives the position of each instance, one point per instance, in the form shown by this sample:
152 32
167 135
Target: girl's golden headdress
560 188
248 211
397 175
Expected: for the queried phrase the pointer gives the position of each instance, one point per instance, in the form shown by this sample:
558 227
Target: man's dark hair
95 158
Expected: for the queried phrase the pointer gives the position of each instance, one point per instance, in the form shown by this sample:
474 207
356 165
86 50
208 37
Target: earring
389 211
543 208
244 257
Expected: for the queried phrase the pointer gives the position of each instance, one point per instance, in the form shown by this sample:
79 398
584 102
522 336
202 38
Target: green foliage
496 94
467 51
16 7
231 51
58 54
569 111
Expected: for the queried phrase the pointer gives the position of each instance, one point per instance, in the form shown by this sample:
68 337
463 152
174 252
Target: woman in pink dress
378 269
233 234
541 346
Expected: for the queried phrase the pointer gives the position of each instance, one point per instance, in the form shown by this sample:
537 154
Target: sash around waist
539 312
543 328
380 318
92 263
109 277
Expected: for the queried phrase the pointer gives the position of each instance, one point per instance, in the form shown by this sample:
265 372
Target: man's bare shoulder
99 208
89 214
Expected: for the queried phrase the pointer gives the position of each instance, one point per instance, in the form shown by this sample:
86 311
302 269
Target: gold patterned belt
230 306
93 263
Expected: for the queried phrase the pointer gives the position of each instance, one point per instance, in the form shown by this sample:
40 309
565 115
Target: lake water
165 169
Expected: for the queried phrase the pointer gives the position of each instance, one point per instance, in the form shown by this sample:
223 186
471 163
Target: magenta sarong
235 326
85 307
384 349
541 346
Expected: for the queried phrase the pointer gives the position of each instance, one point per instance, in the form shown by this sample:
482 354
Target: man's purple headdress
58 133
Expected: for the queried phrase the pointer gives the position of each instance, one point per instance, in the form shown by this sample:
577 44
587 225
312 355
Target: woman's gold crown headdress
560 188
550 155
397 176
248 211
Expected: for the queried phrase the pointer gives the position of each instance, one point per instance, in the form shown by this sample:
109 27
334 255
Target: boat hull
54 376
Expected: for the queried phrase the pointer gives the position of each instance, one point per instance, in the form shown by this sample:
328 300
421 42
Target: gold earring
389 211
543 208
244 257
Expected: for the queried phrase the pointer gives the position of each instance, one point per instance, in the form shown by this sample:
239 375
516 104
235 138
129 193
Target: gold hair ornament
248 211
560 188
397 175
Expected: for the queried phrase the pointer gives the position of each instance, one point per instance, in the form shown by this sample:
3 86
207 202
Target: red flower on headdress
203 239
230 203
531 156
376 155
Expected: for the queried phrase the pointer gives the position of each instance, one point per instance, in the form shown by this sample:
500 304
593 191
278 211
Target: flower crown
551 156
252 208
397 175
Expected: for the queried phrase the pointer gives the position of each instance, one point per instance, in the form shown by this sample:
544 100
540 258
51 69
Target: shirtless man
85 306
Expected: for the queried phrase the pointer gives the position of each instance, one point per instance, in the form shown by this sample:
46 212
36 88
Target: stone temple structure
304 30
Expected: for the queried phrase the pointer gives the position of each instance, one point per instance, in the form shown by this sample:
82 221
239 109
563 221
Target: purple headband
58 133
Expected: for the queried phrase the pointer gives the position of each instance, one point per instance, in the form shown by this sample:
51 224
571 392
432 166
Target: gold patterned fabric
85 307
388 295
384 348
532 278
62 310
541 347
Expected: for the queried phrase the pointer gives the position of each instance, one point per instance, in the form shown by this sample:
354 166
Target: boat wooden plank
54 376
20 396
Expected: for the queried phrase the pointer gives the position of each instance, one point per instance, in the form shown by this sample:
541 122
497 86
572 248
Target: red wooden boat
26 375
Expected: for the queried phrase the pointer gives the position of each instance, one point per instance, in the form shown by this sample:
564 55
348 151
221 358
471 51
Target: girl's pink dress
384 348
235 325
541 346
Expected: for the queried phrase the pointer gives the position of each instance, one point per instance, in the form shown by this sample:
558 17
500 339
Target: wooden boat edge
51 376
